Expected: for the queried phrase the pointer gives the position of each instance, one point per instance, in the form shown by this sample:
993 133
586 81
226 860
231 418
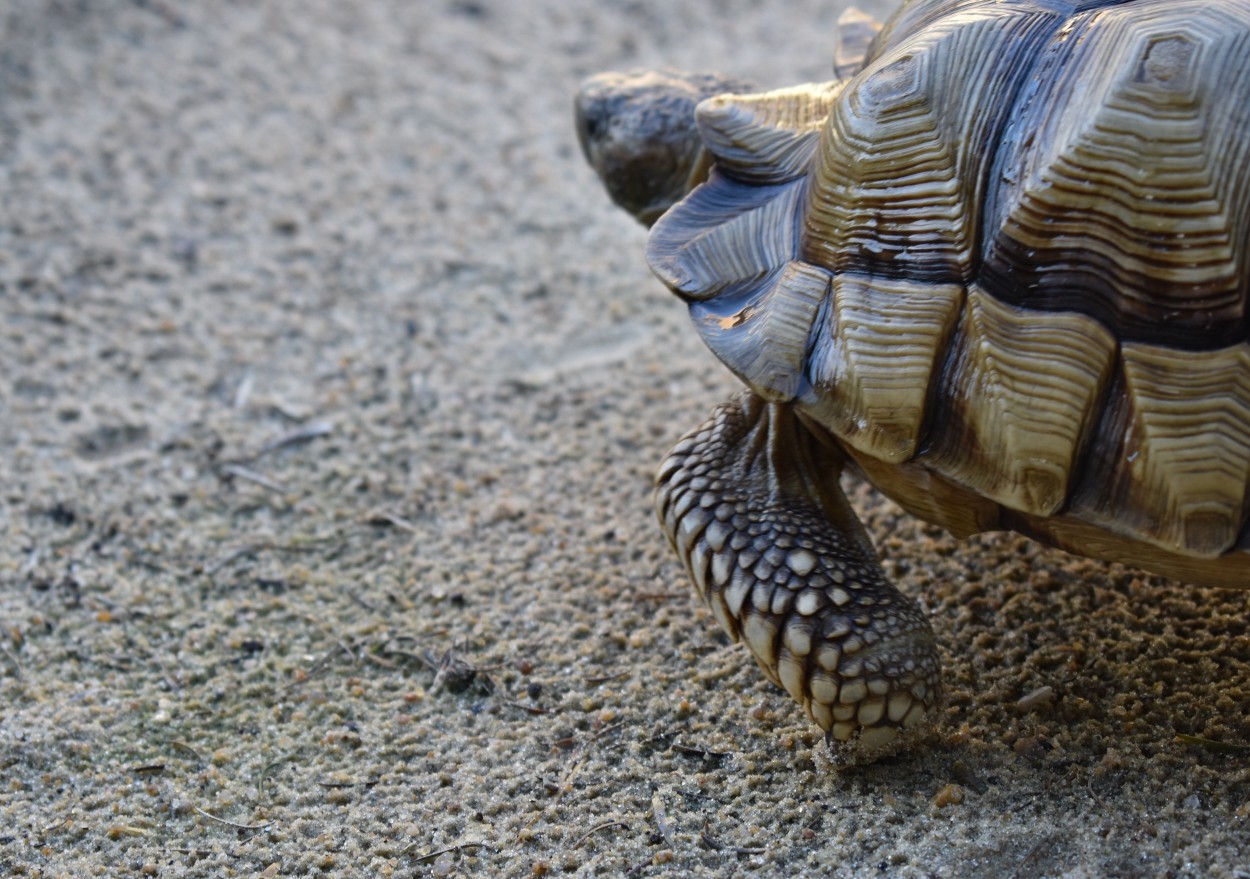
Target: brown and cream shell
1005 262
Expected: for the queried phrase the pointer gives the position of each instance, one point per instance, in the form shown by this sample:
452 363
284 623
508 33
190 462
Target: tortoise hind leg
751 503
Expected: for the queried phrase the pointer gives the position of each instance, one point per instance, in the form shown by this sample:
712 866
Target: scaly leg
751 503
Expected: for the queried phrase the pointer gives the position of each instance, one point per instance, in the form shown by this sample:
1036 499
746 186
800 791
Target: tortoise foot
751 503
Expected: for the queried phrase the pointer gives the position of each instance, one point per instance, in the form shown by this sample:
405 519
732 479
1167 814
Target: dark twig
716 845
304 433
670 738
592 831
384 517
521 706
344 784
1212 744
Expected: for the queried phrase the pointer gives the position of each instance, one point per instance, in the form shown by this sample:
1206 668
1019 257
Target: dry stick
521 706
238 471
383 517
330 633
247 549
233 823
264 773
170 681
183 746
11 657
1212 744
57 826
670 739
1032 853
198 852
566 780
592 831
461 846
378 661
603 679
309 431
355 597
637 868
252 548
717 846
337 785
318 666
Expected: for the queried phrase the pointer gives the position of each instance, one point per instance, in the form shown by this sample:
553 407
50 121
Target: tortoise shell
1003 265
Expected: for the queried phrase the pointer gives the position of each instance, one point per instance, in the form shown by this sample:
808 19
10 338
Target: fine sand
331 387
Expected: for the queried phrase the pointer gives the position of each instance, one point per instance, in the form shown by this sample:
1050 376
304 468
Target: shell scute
1124 186
903 160
1021 395
1174 450
1011 280
873 355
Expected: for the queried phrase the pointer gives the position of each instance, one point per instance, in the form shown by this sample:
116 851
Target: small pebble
949 795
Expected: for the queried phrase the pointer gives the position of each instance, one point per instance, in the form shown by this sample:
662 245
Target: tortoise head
638 132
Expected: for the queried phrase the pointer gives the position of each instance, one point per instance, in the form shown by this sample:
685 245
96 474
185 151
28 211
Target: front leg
751 503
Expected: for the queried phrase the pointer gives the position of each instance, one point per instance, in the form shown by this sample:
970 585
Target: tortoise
998 266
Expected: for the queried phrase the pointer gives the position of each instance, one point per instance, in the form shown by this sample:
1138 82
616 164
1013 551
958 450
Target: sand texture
331 389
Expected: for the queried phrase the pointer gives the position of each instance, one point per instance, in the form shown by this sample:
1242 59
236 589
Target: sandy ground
330 392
